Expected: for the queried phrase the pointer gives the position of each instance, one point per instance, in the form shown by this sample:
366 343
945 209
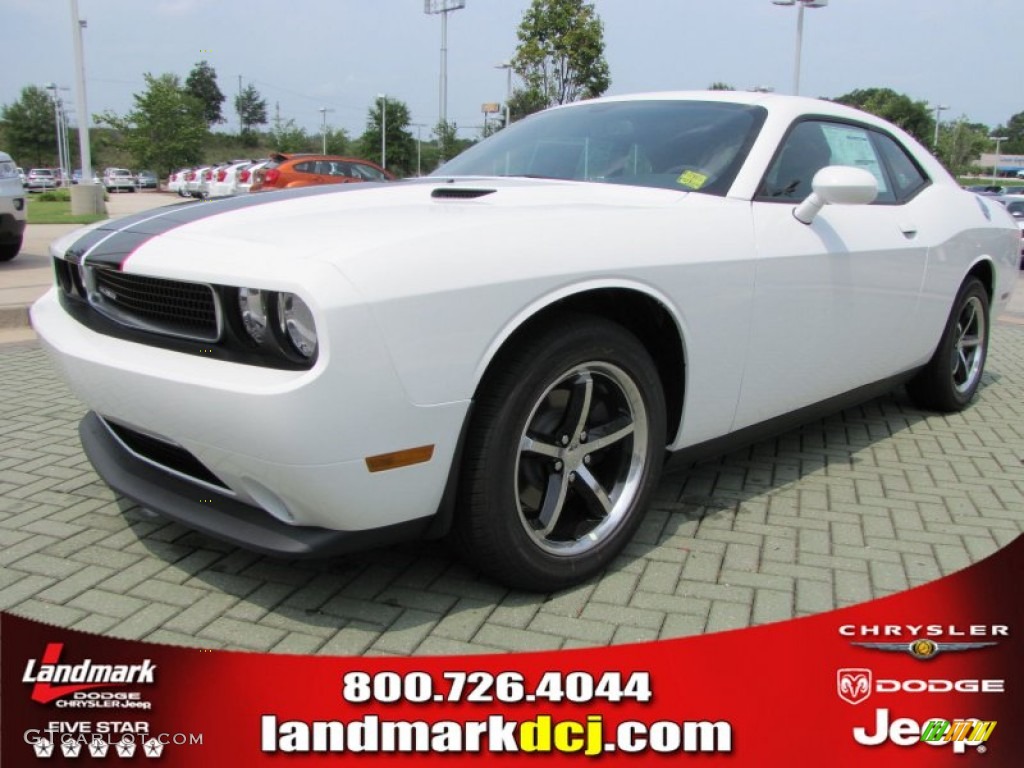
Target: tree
167 128
251 109
1014 133
560 56
914 117
720 86
446 137
29 128
961 144
202 83
401 145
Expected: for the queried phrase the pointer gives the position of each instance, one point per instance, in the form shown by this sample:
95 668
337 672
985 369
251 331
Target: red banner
929 677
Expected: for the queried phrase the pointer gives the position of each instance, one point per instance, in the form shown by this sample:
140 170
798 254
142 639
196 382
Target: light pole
801 4
323 127
938 109
383 130
507 66
419 147
86 197
443 7
995 167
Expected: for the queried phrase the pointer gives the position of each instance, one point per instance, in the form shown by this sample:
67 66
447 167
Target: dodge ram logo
853 685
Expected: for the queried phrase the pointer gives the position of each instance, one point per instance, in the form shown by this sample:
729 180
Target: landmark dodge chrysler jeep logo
79 677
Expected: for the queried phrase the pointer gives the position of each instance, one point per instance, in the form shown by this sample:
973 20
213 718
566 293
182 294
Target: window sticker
692 179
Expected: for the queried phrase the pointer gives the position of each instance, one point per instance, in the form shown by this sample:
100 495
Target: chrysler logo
853 684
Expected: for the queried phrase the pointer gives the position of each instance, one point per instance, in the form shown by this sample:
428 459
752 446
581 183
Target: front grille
163 454
154 304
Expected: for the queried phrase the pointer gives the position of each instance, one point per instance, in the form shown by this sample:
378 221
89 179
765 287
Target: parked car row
279 171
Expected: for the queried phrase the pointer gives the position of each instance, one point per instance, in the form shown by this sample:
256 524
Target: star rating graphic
98 747
43 748
125 748
71 748
153 748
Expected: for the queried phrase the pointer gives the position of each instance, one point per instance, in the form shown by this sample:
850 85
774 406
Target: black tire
542 503
9 250
951 378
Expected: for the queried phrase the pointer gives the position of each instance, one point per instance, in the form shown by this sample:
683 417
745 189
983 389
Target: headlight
296 323
253 307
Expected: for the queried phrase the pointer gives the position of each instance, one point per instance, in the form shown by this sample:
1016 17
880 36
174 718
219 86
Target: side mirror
837 185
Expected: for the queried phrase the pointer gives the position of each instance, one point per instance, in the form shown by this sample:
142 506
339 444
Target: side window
307 167
367 172
814 144
804 153
907 178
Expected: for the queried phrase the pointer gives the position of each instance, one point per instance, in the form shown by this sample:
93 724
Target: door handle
908 228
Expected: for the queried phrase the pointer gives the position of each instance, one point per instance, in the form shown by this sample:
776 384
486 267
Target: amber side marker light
386 461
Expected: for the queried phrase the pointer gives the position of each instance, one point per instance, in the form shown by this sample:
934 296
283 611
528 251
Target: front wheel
951 378
564 448
9 250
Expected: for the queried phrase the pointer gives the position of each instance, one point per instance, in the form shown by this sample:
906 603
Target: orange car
285 171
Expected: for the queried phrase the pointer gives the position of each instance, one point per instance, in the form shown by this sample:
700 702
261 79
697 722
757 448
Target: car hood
338 224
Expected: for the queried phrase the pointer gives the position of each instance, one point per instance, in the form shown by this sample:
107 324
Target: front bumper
218 516
292 444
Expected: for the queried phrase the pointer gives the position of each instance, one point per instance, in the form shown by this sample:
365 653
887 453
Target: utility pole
323 127
443 7
86 197
238 106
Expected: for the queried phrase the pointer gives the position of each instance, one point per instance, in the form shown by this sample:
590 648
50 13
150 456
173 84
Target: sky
305 55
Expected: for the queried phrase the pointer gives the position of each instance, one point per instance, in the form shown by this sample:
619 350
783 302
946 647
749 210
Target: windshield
682 145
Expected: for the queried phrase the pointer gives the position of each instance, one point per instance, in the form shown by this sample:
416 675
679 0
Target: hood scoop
460 193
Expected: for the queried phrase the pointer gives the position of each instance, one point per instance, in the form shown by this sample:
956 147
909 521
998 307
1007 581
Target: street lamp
419 147
801 4
507 65
383 130
86 198
938 108
443 7
323 127
995 168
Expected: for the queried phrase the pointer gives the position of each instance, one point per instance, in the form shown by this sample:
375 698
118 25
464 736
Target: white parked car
505 351
119 180
196 181
246 176
224 179
12 208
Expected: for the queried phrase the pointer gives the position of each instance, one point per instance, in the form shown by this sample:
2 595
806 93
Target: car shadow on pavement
797 524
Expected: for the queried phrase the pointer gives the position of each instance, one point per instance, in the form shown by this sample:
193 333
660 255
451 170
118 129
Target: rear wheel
951 378
565 447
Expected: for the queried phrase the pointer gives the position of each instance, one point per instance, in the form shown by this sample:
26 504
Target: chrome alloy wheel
581 459
969 345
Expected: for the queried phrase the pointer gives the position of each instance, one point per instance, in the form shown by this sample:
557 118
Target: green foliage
446 138
961 144
166 130
29 127
202 83
401 145
251 109
1014 133
54 195
720 86
560 56
914 117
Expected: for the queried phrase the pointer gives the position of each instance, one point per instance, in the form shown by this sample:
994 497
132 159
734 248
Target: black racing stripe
112 243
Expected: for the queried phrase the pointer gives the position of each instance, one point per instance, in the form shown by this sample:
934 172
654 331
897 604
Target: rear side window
814 144
307 167
907 178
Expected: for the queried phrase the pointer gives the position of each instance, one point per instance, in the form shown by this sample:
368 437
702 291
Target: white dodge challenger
505 351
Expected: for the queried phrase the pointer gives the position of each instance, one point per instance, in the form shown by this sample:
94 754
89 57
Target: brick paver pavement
870 501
